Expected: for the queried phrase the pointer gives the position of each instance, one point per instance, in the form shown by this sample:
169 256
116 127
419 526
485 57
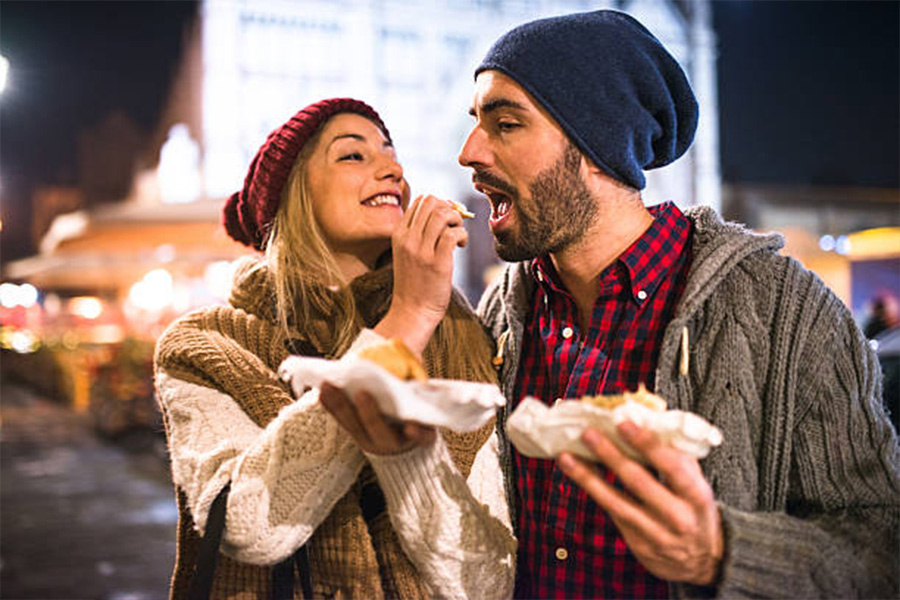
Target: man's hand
423 247
369 428
672 526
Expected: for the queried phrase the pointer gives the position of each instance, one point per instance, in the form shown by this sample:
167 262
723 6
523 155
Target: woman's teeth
382 199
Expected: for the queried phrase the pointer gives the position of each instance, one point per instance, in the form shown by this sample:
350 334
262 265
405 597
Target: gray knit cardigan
808 477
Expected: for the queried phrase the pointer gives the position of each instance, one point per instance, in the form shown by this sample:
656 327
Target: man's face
528 169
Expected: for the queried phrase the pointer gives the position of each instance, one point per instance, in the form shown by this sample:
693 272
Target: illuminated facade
264 59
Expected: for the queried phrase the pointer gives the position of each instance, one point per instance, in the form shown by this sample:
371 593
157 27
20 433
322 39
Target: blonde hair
305 276
307 282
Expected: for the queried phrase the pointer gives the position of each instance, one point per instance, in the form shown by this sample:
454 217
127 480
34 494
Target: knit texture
611 86
808 475
235 350
249 213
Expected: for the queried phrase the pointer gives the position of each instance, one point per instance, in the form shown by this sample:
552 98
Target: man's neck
617 226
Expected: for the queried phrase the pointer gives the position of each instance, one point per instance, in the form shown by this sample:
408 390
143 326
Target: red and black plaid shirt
568 548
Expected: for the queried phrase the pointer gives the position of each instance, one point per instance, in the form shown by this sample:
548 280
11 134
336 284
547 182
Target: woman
389 510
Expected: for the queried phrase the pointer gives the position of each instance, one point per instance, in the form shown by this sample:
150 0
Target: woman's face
357 188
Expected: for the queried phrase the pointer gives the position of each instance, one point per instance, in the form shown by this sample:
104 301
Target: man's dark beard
559 213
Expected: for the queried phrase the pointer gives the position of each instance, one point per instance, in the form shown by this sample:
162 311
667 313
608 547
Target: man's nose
474 150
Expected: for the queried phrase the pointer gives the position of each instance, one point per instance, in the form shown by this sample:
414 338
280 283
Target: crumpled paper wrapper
540 431
458 405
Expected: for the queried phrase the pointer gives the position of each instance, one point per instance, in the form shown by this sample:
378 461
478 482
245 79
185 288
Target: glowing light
842 245
87 307
23 341
154 292
28 295
4 72
826 243
9 295
179 167
217 278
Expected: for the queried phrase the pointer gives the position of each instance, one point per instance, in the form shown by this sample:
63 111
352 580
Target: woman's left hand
368 426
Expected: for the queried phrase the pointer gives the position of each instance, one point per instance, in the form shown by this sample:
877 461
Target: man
801 499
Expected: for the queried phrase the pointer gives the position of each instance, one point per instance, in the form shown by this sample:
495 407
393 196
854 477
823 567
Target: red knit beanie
248 214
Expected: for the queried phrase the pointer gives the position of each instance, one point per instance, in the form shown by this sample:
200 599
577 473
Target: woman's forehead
352 126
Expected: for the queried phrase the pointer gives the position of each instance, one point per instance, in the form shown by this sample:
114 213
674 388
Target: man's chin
510 250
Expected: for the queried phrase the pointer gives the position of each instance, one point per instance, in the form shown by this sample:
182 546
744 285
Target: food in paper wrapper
400 390
540 431
397 358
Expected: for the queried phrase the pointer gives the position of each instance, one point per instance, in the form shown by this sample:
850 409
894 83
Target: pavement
80 517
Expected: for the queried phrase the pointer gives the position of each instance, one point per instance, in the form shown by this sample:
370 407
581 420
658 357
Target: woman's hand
423 270
368 427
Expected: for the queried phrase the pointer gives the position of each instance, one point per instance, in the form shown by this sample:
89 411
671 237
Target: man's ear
597 178
593 175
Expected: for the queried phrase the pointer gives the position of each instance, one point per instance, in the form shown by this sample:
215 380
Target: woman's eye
351 156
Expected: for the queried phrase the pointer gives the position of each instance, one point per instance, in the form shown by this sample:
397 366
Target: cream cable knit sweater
287 477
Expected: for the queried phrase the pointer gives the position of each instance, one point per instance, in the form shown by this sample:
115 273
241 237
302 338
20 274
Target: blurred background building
137 240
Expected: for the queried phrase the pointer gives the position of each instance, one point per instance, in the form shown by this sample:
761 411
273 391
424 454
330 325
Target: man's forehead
491 86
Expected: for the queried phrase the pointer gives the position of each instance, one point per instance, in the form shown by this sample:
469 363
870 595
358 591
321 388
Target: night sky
809 92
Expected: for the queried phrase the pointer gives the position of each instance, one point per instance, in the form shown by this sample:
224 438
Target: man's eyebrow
497 103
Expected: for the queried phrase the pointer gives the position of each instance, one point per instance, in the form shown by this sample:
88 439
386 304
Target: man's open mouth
501 201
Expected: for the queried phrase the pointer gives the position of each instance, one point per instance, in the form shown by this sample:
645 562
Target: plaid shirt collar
641 267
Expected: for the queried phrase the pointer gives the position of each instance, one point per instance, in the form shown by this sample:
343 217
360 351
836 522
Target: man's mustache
495 182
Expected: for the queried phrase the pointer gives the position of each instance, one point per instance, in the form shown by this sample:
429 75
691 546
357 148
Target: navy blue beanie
611 86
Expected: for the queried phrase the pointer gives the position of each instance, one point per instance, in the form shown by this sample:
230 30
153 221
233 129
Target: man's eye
351 156
507 126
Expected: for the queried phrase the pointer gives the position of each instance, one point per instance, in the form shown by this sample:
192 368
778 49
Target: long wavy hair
307 282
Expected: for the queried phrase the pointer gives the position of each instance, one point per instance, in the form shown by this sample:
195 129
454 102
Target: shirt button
642 295
567 332
562 554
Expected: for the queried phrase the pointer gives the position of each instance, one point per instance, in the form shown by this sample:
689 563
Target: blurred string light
87 307
13 295
841 245
154 292
22 341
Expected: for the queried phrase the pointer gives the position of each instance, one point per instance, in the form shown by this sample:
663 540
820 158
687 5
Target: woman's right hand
423 247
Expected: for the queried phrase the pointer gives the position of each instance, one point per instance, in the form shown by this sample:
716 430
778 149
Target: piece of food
396 357
641 396
465 214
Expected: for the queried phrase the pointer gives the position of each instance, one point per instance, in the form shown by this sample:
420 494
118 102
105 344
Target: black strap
301 557
282 583
201 583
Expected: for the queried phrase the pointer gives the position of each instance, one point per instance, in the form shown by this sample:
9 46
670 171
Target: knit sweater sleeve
838 536
456 532
285 478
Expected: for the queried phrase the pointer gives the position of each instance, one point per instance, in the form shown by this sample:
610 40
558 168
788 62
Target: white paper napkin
540 431
458 405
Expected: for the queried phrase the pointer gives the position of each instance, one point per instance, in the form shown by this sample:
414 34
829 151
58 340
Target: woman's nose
390 168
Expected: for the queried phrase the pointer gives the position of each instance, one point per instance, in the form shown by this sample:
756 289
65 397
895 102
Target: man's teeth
383 199
501 207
